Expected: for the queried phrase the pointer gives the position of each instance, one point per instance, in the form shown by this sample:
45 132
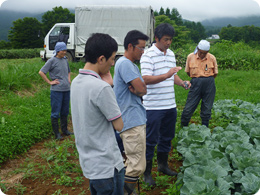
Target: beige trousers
134 141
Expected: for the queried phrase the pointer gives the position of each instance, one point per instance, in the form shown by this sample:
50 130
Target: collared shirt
205 67
133 111
93 107
58 68
160 95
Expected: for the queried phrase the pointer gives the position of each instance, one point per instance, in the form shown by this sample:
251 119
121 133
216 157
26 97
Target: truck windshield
58 34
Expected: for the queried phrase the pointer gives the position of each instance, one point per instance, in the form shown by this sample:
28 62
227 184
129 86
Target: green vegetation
25 112
29 32
25 33
226 160
19 53
24 105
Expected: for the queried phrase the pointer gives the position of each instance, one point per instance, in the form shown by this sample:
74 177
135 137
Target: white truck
113 20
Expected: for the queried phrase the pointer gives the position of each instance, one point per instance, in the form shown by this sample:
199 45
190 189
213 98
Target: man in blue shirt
129 88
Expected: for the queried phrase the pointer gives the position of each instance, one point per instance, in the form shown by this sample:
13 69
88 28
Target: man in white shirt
158 68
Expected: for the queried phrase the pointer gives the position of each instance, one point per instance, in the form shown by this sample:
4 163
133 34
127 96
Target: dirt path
17 182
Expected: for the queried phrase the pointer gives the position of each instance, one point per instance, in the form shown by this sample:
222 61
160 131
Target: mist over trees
196 29
29 32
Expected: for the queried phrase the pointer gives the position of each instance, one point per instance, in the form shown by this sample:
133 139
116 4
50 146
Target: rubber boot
148 179
55 128
129 188
184 124
206 123
64 126
162 161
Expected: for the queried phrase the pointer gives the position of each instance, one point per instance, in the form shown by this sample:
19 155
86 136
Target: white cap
203 45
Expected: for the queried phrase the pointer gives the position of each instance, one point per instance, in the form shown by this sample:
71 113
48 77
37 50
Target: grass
25 114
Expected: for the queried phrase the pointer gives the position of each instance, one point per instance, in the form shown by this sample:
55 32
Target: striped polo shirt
154 62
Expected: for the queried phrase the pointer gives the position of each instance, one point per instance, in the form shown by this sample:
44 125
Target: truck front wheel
69 57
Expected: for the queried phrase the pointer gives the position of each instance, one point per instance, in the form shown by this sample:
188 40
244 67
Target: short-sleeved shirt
161 95
58 68
133 111
205 67
93 107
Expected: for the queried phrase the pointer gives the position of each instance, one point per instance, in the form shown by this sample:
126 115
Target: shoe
148 179
162 161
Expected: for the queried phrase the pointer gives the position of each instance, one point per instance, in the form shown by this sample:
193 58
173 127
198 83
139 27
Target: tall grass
19 74
229 55
25 100
19 53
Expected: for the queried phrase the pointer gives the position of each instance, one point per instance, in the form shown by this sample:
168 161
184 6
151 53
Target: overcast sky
189 9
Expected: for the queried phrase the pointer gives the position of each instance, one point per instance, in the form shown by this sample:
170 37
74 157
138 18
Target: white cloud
189 9
2 1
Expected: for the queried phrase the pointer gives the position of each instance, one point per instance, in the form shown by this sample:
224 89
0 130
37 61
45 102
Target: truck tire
69 57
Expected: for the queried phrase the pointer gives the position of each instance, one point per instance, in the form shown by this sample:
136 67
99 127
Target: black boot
184 124
55 128
162 158
129 188
64 125
147 173
206 123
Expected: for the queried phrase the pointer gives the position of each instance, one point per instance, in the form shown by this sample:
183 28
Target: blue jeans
160 130
111 186
60 103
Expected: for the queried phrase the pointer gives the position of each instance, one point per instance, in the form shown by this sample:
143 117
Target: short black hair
164 29
99 44
133 36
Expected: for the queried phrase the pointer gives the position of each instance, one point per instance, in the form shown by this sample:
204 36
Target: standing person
158 68
202 67
129 88
95 115
59 71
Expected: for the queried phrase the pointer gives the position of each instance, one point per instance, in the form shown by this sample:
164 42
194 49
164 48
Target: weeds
162 181
20 189
25 120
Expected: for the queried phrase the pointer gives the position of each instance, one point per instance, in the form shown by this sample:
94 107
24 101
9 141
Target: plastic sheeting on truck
116 21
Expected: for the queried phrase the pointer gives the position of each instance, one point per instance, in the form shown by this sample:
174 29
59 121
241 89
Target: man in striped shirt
158 68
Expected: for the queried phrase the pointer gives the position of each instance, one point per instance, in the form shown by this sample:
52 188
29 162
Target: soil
48 187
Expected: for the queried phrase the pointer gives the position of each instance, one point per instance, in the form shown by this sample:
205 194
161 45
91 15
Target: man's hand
173 71
186 84
107 78
54 82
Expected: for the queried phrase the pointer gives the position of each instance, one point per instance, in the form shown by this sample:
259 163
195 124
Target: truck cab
115 20
59 32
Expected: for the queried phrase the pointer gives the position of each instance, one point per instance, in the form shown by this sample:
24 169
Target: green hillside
7 18
239 21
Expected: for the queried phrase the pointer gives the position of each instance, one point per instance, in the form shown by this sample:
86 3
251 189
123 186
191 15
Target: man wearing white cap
202 67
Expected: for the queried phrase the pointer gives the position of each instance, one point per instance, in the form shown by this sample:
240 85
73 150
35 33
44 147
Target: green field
25 100
25 103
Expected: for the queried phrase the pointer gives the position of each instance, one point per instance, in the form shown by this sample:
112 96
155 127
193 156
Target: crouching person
59 72
95 115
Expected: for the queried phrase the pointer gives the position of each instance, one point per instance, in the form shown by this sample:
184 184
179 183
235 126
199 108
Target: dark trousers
60 103
204 89
160 130
110 186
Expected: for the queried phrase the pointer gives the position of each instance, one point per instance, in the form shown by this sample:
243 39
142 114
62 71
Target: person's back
95 115
94 132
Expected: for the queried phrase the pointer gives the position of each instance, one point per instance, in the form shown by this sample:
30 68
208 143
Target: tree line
248 34
30 32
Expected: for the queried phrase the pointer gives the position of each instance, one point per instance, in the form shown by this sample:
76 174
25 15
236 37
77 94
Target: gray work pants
202 88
